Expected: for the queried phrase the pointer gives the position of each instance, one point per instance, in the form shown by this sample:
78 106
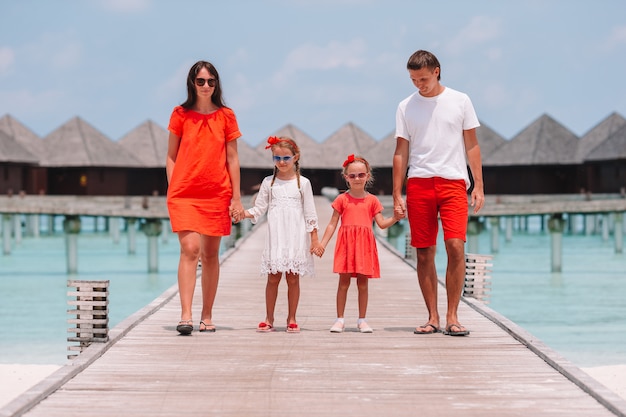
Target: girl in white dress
292 225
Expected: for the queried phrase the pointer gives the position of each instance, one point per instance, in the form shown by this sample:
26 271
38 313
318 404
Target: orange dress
200 191
355 249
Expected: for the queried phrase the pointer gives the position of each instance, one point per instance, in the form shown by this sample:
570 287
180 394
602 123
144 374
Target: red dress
200 191
355 250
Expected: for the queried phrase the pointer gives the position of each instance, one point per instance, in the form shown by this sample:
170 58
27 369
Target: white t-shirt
434 128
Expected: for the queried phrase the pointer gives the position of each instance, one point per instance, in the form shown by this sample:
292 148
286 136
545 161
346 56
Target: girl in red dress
356 254
203 187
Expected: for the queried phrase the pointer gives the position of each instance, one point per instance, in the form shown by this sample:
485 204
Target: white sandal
364 327
337 327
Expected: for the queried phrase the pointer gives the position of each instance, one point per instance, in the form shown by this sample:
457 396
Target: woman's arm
232 165
172 152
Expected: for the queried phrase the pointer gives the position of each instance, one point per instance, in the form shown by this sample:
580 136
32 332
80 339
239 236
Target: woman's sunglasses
210 81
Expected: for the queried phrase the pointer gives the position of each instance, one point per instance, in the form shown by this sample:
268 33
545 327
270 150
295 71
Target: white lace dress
291 217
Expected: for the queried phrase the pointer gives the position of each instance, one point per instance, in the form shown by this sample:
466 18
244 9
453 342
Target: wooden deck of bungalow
148 370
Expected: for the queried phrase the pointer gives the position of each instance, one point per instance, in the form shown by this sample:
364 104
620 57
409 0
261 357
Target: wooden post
477 281
509 228
619 232
71 227
555 225
6 233
409 251
131 235
91 314
474 227
152 228
17 228
495 234
114 229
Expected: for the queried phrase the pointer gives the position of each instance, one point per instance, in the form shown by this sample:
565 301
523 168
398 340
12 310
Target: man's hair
424 59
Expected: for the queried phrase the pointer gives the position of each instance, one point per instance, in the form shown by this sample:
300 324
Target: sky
316 64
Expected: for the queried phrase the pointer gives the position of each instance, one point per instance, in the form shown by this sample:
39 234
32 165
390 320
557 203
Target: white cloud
493 54
480 30
495 95
67 56
59 50
7 58
175 86
30 104
125 6
313 57
240 57
617 37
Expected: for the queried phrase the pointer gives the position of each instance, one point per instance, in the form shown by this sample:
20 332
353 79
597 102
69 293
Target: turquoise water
33 288
580 312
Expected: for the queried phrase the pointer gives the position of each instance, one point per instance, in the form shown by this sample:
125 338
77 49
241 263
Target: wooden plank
87 294
92 303
239 372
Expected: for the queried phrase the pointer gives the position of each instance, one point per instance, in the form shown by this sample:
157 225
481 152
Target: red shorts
427 200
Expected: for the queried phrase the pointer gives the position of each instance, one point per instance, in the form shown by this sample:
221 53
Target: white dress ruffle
291 217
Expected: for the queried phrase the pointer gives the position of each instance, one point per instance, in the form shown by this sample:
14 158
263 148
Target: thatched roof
349 139
614 147
23 135
310 150
381 154
544 142
488 140
250 157
78 144
598 134
148 144
12 151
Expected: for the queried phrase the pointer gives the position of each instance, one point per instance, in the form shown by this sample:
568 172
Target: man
436 141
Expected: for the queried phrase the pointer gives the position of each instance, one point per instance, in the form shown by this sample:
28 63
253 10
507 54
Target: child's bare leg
293 296
271 294
362 285
342 294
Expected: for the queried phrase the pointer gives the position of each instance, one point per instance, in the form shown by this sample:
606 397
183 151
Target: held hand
236 211
317 250
399 208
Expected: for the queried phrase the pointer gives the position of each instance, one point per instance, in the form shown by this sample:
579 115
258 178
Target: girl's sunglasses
360 175
210 81
277 158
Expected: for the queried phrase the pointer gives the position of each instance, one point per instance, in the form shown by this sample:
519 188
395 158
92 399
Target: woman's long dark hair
216 98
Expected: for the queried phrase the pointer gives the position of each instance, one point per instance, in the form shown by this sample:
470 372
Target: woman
203 193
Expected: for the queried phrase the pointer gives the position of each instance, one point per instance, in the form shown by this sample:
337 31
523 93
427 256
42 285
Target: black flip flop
185 327
434 329
207 327
450 332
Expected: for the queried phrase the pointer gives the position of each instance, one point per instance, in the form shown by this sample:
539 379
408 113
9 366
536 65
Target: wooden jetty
146 369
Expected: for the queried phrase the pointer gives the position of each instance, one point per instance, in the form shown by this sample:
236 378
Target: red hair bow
348 161
272 140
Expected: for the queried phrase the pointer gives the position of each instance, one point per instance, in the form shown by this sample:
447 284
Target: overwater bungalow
77 159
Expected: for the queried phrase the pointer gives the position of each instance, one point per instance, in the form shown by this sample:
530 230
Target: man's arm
400 163
476 167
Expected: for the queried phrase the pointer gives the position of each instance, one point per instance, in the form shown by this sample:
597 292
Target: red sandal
293 328
264 327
